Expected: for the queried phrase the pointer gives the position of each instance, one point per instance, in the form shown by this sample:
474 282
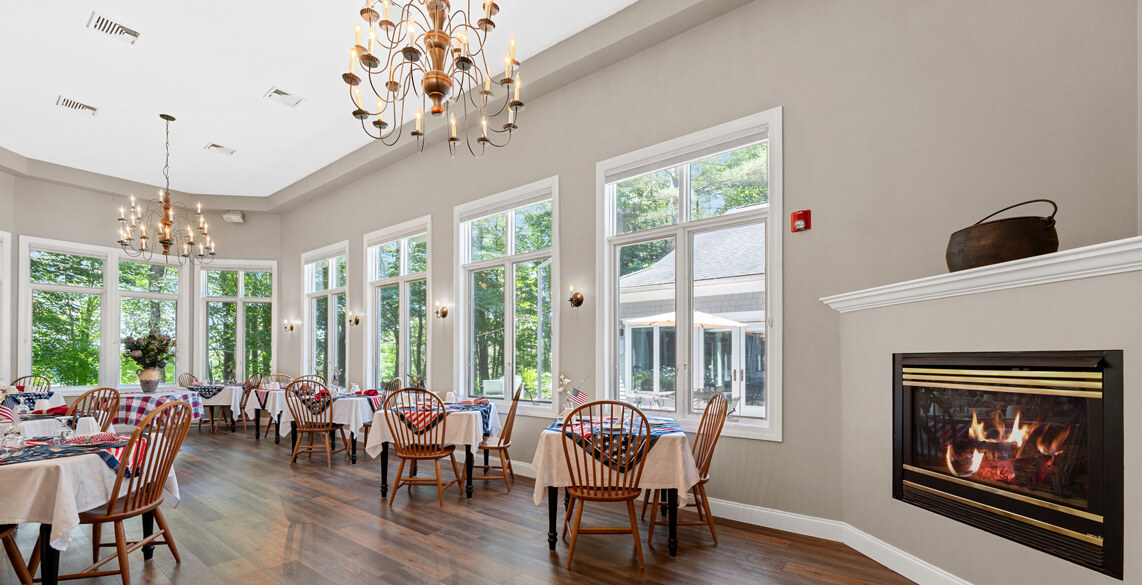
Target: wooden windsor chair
608 468
33 383
187 379
418 423
390 387
709 431
149 456
500 446
102 404
282 381
8 535
312 408
254 381
310 379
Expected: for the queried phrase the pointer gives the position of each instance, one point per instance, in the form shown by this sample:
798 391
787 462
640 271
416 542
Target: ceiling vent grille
70 104
215 147
281 96
105 25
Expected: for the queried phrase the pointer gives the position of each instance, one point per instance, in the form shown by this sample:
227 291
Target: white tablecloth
56 491
229 396
465 427
275 404
55 400
352 411
669 464
46 427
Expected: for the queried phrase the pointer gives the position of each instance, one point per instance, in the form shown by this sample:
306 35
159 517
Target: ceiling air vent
214 147
234 217
73 105
105 25
282 96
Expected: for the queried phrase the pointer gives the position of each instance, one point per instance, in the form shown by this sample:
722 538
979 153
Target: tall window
79 301
689 312
325 299
5 291
398 287
238 321
507 271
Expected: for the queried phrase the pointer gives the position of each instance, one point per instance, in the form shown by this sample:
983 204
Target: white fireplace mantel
1097 260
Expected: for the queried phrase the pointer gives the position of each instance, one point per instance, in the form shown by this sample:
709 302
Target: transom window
508 272
326 288
398 289
238 323
689 311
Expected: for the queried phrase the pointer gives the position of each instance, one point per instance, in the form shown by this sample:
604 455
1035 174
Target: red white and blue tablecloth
135 406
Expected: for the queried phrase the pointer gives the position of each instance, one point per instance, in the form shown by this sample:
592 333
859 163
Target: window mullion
509 329
683 323
402 332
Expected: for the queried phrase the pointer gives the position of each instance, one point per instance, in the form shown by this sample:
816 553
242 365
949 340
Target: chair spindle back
102 404
709 430
310 404
148 457
615 452
33 383
187 379
417 421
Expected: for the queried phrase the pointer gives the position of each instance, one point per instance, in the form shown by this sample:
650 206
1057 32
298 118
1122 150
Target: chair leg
705 503
653 519
162 522
344 443
634 531
508 456
17 561
296 449
34 560
567 519
309 451
328 451
96 538
575 533
396 488
439 486
645 502
121 550
456 471
504 469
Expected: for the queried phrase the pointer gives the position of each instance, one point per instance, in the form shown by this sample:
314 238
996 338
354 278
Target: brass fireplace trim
1011 389
1056 383
1090 538
1008 373
1014 496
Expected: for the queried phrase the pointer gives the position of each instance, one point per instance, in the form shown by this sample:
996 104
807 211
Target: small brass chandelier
159 227
438 56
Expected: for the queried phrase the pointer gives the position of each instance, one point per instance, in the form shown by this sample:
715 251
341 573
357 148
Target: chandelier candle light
438 56
154 227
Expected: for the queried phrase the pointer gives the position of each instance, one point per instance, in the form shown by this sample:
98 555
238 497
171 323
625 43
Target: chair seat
494 444
318 429
435 453
99 514
604 494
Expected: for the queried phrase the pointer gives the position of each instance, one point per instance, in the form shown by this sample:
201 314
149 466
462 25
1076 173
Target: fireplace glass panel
1031 444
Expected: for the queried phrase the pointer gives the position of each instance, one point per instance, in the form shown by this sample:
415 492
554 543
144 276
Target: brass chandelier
436 56
159 227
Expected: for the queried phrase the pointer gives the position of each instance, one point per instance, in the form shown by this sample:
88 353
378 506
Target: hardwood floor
246 518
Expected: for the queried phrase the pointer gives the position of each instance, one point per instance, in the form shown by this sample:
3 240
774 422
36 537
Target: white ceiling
208 63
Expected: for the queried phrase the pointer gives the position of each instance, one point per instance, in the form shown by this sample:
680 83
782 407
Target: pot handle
1050 217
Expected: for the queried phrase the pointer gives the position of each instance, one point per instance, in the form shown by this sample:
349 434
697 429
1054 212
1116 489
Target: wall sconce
577 297
441 310
288 325
353 320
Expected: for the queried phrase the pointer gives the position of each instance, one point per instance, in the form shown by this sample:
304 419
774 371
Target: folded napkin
96 439
370 393
476 402
55 411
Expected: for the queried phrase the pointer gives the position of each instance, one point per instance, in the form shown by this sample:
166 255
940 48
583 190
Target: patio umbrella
700 320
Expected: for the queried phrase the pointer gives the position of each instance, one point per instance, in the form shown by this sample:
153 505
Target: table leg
384 469
257 424
552 513
353 449
292 434
468 464
487 468
233 422
333 440
148 529
49 557
278 429
566 499
415 468
672 504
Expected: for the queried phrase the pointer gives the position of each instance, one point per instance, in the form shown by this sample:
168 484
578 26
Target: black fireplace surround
1024 445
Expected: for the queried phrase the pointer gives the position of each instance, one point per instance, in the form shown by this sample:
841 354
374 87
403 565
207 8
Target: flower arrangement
152 350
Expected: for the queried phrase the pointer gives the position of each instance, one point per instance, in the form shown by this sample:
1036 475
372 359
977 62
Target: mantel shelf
1097 260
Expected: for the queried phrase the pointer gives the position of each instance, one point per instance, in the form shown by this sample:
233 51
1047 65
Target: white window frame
541 190
110 311
242 267
5 307
729 136
307 259
373 241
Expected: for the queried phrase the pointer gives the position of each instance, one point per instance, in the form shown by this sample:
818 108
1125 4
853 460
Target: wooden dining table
669 467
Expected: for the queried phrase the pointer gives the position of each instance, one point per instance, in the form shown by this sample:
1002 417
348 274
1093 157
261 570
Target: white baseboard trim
908 565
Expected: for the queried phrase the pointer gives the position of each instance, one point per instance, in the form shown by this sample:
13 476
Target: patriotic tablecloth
29 399
353 411
669 464
271 401
135 406
56 491
220 396
465 427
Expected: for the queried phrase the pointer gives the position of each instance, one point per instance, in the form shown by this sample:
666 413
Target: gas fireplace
1027 446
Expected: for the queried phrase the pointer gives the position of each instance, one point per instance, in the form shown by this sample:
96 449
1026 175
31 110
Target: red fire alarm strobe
800 221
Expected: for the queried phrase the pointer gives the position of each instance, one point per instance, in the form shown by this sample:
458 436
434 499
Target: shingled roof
722 254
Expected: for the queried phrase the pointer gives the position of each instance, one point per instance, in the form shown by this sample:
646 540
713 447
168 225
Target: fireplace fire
1027 446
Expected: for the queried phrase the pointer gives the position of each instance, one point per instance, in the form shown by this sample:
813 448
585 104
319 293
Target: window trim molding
200 300
730 134
110 307
323 253
405 229
5 307
541 190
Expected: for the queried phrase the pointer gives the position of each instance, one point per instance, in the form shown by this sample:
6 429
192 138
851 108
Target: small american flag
7 414
578 397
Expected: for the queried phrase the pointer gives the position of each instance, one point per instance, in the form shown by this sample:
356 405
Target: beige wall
904 121
1096 313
